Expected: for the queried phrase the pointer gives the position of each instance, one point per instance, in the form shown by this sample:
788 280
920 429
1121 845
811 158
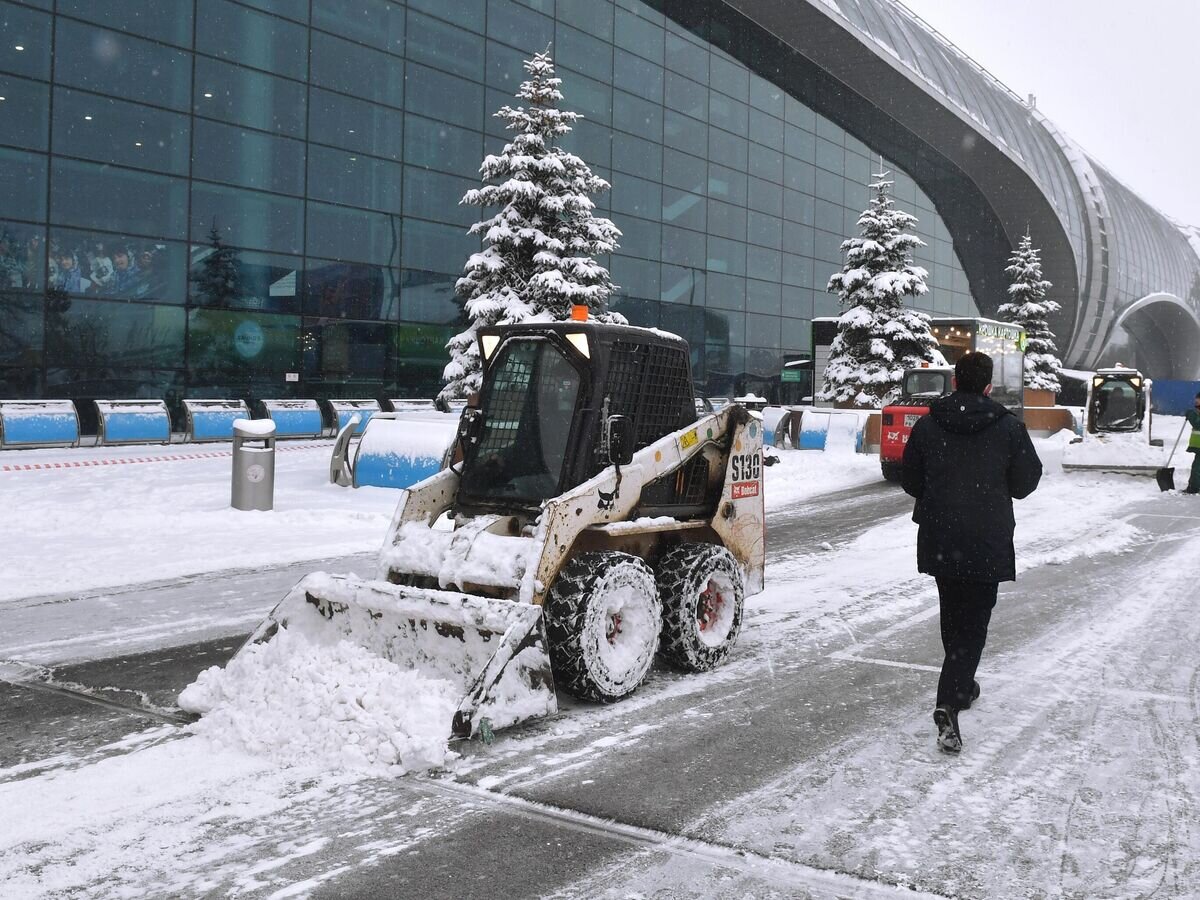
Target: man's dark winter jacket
965 462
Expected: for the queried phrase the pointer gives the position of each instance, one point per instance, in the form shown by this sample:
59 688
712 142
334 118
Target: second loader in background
1117 426
588 522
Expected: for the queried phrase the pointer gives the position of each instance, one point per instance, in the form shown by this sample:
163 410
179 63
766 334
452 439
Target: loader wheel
702 592
602 621
891 470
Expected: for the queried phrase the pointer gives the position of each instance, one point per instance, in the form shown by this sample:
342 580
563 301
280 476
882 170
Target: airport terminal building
259 198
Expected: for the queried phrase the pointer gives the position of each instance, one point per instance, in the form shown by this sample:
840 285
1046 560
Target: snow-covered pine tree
878 337
219 281
540 248
1028 307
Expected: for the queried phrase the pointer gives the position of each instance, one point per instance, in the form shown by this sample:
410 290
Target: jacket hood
962 413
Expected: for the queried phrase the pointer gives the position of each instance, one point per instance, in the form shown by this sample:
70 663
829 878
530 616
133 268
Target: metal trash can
253 464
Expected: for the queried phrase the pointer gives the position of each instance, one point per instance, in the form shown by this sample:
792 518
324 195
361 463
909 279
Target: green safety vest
1193 417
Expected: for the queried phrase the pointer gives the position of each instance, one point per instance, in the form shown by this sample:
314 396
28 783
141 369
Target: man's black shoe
946 720
974 695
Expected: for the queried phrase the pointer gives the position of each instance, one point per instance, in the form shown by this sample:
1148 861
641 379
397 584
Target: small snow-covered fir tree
1028 307
878 337
218 281
540 247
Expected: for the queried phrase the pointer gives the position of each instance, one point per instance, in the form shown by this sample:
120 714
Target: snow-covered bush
540 247
1028 307
878 337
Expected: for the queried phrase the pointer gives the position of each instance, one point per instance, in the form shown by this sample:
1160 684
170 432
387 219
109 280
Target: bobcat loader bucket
494 651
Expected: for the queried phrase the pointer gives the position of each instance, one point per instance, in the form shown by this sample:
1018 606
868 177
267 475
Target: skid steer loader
589 520
1117 427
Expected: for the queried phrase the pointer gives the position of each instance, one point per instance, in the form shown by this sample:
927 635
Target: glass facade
260 198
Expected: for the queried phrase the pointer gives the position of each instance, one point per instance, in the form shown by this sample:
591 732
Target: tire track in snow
763 867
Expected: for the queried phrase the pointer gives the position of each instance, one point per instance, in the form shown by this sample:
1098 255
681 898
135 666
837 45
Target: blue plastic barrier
342 410
397 451
294 418
38 423
212 420
132 422
776 424
816 425
1173 398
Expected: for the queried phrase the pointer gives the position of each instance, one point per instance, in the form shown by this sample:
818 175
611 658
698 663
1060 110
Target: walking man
1193 417
964 463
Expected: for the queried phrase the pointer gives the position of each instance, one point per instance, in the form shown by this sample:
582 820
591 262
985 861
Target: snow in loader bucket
493 651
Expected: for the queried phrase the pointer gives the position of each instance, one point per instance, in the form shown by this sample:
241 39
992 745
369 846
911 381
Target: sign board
792 375
291 376
1003 332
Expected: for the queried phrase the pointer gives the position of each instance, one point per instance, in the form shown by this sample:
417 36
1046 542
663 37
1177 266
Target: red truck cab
918 389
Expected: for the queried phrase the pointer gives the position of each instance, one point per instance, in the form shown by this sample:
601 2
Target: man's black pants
966 612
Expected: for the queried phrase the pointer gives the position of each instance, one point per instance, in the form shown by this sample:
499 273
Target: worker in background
965 463
1193 417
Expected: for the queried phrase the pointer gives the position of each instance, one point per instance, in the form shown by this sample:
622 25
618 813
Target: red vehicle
918 389
1002 341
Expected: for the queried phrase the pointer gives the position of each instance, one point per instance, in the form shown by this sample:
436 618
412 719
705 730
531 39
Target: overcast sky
1121 78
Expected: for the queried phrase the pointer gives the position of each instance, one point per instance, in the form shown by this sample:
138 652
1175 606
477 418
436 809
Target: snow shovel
494 651
1166 475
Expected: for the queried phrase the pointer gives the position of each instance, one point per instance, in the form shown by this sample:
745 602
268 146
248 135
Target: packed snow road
804 767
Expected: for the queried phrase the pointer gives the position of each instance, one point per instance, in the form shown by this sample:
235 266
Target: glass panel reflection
420 353
119 65
356 124
227 277
111 199
336 351
247 218
351 290
24 41
114 265
250 98
248 158
22 256
129 134
235 342
24 113
429 297
252 38
21 329
375 22
164 21
81 332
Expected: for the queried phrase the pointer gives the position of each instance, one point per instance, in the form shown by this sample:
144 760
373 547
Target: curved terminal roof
1123 249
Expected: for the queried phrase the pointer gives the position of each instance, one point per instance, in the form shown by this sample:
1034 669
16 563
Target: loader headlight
489 342
1136 382
1097 381
580 342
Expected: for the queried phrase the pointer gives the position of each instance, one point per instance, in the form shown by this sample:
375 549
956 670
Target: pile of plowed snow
330 704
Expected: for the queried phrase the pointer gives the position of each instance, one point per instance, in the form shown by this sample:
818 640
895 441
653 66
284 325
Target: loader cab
926 384
1117 401
561 401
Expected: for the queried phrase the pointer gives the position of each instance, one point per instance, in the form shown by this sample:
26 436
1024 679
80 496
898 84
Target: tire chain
678 571
564 610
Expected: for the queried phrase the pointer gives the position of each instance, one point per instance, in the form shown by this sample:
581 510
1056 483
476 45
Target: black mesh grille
649 384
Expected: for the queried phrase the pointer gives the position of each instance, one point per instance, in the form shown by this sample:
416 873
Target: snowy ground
99 526
103 526
804 767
